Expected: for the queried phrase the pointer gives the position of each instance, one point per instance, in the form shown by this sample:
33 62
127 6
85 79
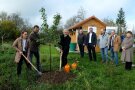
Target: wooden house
93 22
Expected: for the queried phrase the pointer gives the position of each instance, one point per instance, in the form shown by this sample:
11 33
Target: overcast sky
29 9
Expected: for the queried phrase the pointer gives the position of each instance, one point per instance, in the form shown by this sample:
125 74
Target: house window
94 28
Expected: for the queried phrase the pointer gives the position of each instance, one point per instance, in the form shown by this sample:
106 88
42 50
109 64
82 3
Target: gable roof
84 21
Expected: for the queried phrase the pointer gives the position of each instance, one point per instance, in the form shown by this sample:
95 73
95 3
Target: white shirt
90 36
112 40
24 44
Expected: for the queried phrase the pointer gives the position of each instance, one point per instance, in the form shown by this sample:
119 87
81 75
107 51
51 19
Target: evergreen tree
120 21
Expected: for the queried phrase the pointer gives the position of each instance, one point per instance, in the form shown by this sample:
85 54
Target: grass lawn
90 76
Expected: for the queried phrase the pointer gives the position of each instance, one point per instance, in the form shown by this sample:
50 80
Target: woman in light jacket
127 50
21 46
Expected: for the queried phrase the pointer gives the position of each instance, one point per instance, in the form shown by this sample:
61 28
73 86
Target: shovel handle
30 62
60 60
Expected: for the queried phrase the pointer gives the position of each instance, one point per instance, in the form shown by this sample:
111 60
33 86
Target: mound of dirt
55 77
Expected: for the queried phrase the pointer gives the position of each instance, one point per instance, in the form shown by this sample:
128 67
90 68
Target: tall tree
17 19
120 21
7 31
81 14
70 22
56 21
44 26
49 34
54 28
11 25
109 22
3 16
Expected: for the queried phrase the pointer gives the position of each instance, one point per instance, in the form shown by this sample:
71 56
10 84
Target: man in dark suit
64 46
91 41
80 41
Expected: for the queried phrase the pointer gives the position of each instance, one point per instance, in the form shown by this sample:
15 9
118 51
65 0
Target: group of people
107 42
27 46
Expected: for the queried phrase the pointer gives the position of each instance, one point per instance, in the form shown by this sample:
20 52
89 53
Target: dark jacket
64 42
93 39
81 39
34 41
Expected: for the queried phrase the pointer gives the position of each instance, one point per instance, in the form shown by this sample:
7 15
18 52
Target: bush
6 48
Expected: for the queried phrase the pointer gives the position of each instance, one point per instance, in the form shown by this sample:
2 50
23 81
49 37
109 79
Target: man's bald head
66 32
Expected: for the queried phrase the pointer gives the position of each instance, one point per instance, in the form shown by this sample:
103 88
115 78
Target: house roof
84 21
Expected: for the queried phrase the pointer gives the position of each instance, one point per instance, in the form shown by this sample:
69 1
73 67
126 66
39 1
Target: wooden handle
60 60
30 62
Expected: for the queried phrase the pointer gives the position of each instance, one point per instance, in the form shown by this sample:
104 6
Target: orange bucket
67 68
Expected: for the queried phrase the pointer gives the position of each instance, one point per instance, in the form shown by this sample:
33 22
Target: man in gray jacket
103 44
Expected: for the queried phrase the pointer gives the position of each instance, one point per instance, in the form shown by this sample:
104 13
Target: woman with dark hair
20 44
127 50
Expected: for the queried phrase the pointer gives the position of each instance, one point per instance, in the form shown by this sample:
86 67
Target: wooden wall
98 25
92 22
73 37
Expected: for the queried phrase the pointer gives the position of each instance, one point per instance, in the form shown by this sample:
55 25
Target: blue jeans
114 55
104 54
